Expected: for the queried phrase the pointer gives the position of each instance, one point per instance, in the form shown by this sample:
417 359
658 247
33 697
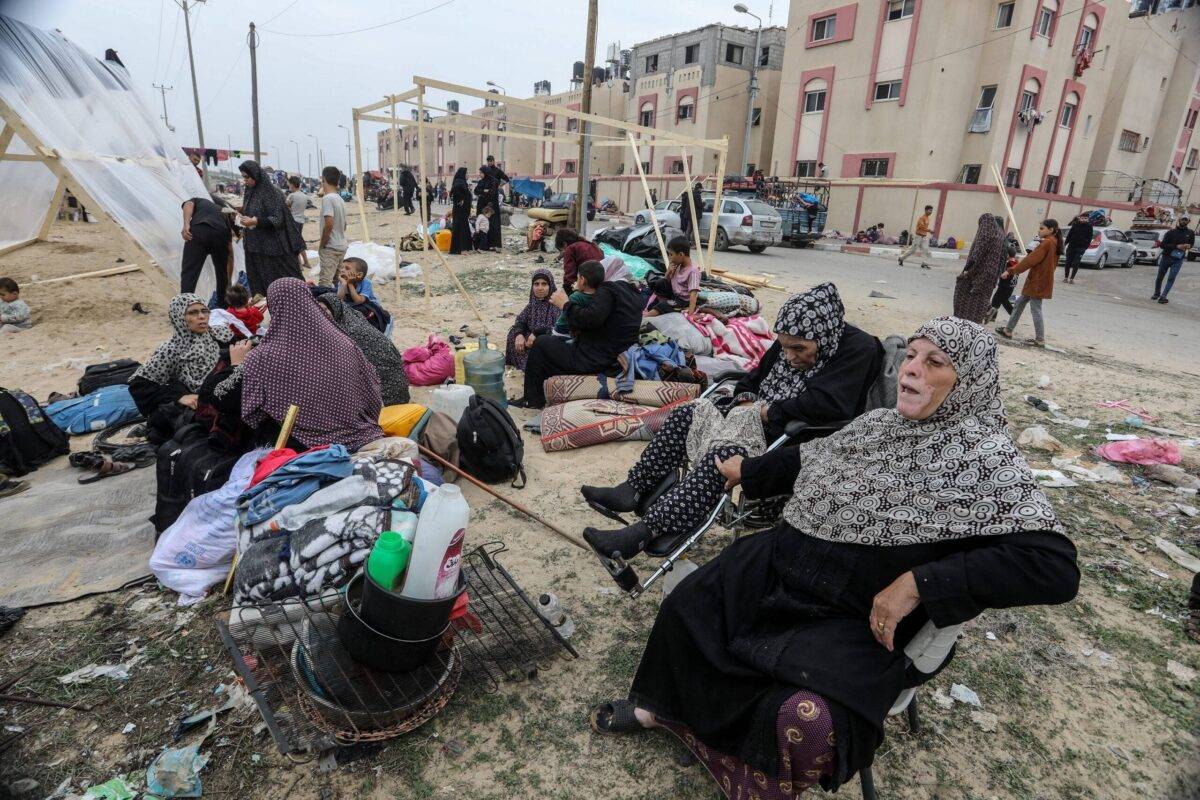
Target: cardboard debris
1177 554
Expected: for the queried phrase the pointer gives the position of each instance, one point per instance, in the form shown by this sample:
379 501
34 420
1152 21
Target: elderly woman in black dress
777 661
271 239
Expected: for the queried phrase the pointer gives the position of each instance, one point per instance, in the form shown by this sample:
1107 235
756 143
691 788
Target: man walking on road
1079 238
920 242
332 224
1175 246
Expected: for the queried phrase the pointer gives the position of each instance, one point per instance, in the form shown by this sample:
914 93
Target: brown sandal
107 469
1005 332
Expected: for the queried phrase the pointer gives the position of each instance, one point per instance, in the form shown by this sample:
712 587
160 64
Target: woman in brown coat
1039 284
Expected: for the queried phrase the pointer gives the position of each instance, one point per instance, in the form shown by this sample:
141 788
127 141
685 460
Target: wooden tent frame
14 125
416 96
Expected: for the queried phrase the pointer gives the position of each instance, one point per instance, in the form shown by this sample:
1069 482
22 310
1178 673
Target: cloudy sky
315 62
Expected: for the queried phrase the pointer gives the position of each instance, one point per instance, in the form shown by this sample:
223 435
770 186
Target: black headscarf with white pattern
186 357
817 314
885 480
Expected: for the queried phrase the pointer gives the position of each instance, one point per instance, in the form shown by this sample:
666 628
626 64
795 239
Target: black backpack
96 376
28 437
489 443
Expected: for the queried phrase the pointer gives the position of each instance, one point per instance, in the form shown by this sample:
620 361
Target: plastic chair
926 653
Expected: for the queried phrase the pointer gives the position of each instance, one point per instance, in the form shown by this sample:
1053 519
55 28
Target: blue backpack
107 406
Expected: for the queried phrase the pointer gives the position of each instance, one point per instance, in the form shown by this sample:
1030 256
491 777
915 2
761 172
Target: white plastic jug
437 552
451 399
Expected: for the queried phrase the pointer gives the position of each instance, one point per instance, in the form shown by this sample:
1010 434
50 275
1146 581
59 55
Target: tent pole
362 210
716 212
637 162
691 201
394 142
421 191
52 211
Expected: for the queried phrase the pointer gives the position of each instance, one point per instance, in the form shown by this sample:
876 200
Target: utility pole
252 40
163 91
187 24
585 128
742 9
349 164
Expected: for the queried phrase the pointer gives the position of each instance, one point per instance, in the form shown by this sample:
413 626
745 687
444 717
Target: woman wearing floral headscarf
271 240
169 381
974 285
777 661
536 319
818 371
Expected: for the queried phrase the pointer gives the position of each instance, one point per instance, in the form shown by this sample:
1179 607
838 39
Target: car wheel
1103 261
1129 262
756 248
639 220
722 240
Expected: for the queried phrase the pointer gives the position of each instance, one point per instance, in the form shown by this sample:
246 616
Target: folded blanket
742 340
582 423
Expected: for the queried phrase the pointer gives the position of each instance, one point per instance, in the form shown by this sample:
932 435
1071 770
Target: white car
1148 242
1110 247
743 221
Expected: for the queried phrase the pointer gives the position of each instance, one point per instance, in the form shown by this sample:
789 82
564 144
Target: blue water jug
484 371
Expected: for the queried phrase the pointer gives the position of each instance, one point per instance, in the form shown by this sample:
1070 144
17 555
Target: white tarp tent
75 122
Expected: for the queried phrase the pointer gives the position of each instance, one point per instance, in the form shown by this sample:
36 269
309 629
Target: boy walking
920 241
332 248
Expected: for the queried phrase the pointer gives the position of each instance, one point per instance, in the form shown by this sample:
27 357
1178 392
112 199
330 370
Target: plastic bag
196 551
1141 451
429 364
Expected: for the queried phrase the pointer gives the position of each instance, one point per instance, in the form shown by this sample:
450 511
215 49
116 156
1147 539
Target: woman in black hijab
488 191
271 240
460 201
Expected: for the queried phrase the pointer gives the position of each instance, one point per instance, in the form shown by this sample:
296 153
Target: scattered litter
1140 451
1139 482
1133 421
880 295
1039 438
941 699
991 637
1159 573
1182 673
1176 476
1177 554
1186 510
1069 465
1074 422
964 695
115 789
1042 405
1162 431
1110 474
176 772
1122 437
1118 752
1124 405
118 672
1044 382
128 729
986 720
1053 479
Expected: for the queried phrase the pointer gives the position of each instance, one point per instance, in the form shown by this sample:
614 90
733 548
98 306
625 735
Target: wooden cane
513 503
285 433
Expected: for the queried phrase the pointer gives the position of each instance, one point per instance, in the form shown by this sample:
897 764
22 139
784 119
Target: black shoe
622 498
622 543
1163 300
524 402
1154 296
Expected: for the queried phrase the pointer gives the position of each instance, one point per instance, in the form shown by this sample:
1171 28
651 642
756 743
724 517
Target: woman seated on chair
303 360
165 387
777 661
818 371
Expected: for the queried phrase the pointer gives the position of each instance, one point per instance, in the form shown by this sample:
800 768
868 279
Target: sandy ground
1084 706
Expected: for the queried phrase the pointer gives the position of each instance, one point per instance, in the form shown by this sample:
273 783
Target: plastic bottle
484 370
388 558
437 552
550 610
405 524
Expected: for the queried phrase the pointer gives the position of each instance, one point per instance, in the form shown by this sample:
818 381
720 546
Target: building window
1087 126
889 90
873 168
687 108
451 137
764 56
1129 141
733 53
970 173
1012 178
1067 118
676 167
756 117
1086 35
548 126
1052 184
546 168
691 54
1028 100
569 167
900 9
646 116
1146 143
1004 15
1193 159
572 125
981 120
814 101
824 28
1189 121
651 63
646 167
808 169
1045 22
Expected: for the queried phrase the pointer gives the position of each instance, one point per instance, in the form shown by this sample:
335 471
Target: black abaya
460 200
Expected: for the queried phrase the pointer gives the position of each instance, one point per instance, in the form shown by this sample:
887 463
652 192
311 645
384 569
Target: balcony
981 121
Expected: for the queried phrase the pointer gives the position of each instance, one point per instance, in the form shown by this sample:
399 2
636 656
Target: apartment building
697 83
932 93
445 149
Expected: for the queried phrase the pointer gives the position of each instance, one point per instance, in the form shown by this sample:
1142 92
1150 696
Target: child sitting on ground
238 299
353 284
580 298
481 230
680 289
14 312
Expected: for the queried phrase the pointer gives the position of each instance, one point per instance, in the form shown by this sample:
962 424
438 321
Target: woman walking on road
974 285
1039 284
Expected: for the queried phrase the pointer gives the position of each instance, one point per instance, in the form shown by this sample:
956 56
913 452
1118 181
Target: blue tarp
534 189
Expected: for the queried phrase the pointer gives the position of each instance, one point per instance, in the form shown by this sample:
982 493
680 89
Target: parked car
1148 242
742 221
1110 247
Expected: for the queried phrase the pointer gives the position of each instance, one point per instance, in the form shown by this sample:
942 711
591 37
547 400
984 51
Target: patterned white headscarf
885 480
186 357
817 314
